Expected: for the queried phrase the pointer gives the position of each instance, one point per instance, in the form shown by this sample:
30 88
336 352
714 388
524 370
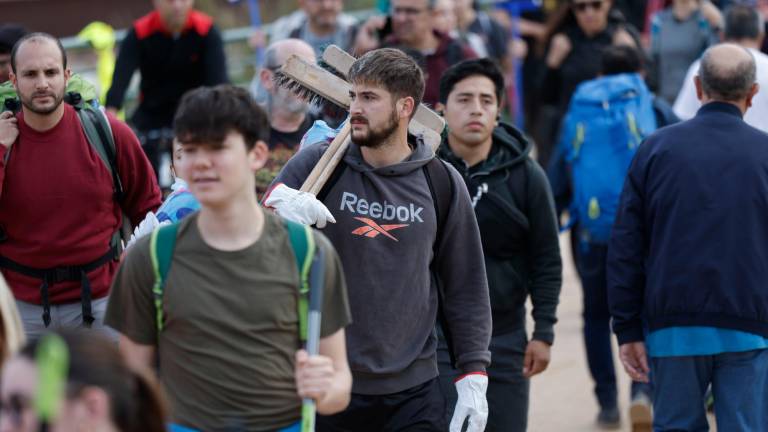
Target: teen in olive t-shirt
226 353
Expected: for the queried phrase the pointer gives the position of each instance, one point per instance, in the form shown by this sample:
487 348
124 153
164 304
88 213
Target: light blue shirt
697 341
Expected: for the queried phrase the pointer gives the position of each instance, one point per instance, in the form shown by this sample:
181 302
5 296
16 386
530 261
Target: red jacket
57 206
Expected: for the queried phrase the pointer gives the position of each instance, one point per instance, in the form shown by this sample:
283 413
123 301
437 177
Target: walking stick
316 286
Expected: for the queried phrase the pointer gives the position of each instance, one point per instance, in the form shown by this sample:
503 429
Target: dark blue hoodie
690 242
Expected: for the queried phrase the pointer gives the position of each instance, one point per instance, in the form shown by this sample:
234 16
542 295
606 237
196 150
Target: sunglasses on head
582 6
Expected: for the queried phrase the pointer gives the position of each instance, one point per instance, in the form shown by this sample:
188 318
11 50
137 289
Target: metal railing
241 64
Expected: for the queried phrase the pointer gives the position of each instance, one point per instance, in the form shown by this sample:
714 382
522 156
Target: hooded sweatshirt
519 232
384 233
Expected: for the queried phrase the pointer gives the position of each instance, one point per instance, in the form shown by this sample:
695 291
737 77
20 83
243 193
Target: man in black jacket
516 216
687 257
175 48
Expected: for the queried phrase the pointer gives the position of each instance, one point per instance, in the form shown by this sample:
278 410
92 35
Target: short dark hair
730 84
392 69
37 36
135 400
474 67
9 35
618 59
742 22
208 114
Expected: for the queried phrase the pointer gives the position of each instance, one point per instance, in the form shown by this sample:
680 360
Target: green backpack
163 240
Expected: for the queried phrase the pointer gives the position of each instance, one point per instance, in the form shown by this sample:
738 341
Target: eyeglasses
583 6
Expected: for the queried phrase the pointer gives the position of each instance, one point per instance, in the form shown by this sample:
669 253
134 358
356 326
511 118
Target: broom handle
327 163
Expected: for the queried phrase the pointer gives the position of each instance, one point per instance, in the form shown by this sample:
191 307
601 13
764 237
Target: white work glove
471 403
301 207
146 226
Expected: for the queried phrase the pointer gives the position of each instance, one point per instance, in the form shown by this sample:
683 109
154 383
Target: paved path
561 398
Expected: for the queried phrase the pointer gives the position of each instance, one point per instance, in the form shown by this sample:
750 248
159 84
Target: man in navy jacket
688 257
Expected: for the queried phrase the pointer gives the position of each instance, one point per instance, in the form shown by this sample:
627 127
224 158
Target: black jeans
508 389
417 409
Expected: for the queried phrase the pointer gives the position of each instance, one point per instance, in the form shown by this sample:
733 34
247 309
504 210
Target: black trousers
508 389
417 409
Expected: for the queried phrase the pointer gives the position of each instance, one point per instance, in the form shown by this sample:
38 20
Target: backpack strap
162 241
442 190
99 135
303 245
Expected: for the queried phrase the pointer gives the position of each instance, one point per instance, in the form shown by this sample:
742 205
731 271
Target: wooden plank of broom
317 84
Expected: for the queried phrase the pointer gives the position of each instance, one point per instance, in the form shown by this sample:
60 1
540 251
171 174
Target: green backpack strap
303 245
161 244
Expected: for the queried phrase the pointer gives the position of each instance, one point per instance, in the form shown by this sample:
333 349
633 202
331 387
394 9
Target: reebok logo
371 229
386 211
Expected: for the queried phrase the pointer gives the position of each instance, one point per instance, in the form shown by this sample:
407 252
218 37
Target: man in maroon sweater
58 210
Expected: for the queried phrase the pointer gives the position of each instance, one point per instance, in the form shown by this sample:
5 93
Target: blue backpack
607 119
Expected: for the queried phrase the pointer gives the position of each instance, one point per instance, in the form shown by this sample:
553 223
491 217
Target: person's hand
301 207
559 49
536 358
9 129
471 403
367 38
314 375
635 361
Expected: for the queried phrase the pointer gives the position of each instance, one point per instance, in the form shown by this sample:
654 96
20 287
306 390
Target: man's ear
258 155
406 108
699 90
67 75
752 92
12 79
265 77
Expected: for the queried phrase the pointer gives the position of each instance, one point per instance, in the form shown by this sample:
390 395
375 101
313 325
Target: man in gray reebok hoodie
386 226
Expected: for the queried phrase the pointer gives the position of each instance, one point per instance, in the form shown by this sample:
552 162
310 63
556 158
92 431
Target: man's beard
288 102
29 103
374 138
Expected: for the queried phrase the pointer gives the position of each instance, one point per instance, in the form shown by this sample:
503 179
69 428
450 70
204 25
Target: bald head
278 52
727 73
37 38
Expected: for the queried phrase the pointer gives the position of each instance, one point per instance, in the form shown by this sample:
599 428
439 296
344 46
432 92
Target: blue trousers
591 265
739 386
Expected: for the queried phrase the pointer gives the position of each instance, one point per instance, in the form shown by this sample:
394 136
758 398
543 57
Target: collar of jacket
720 107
